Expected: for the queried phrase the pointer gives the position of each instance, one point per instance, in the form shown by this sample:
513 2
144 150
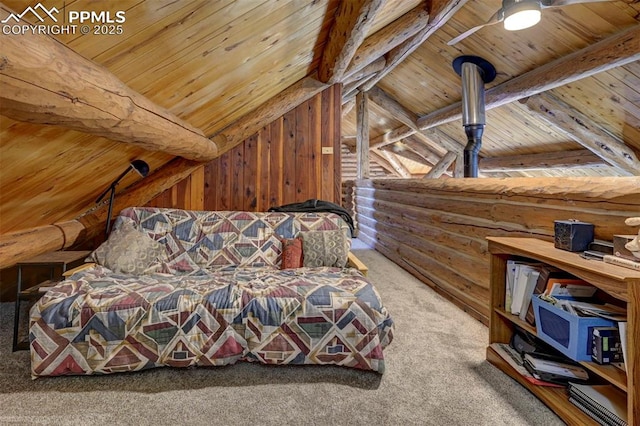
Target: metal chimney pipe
475 72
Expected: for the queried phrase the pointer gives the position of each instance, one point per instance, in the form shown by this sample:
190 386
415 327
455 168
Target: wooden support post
362 136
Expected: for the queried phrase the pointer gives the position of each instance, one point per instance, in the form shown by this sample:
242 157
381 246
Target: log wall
436 229
283 163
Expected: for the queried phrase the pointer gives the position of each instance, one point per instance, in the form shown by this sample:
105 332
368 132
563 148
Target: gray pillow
127 251
325 248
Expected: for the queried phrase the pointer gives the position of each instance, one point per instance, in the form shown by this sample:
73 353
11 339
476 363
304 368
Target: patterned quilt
99 322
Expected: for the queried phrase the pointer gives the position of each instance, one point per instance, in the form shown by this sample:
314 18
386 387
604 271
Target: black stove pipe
474 71
471 150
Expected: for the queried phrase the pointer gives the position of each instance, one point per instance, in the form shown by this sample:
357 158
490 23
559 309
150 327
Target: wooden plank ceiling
216 63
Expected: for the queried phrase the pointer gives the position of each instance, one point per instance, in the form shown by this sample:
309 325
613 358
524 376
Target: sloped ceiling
213 62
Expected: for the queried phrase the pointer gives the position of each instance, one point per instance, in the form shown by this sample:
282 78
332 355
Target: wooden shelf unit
621 283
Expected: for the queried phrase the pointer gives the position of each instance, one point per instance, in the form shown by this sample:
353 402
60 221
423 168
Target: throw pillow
128 251
325 248
291 253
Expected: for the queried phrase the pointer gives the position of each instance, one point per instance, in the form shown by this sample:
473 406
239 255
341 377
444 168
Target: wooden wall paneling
315 139
276 161
251 171
326 136
264 154
303 152
280 164
337 134
237 178
224 181
437 229
289 160
197 189
211 185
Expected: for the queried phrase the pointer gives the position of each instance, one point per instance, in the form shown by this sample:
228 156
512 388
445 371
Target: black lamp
139 166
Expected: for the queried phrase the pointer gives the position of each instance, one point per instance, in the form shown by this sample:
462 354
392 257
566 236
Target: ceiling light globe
521 20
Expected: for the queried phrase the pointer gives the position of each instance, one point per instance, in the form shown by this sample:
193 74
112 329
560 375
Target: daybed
196 288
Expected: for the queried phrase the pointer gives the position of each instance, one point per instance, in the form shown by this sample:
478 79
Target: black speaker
573 235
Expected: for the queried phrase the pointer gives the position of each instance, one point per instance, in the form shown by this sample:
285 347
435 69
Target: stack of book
604 403
526 279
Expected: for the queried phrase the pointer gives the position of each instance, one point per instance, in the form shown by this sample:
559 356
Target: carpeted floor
435 375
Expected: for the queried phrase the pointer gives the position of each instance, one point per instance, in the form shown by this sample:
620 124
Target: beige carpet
435 375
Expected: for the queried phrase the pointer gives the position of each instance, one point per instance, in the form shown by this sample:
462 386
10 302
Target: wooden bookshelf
621 283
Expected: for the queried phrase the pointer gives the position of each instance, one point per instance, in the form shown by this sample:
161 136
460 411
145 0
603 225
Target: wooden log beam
351 24
442 166
370 69
23 244
375 46
422 149
617 50
577 126
377 158
458 168
362 135
400 149
46 82
440 11
392 137
392 106
581 158
266 113
348 106
399 168
409 119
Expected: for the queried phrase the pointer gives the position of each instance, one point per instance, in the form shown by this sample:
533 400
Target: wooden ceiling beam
392 106
408 118
375 46
382 162
440 11
422 149
617 50
577 126
46 82
397 165
350 27
401 150
374 67
442 166
580 158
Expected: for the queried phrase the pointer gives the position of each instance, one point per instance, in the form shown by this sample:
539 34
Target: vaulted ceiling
219 65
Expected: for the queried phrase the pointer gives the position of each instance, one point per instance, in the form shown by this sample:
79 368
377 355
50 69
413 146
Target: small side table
54 261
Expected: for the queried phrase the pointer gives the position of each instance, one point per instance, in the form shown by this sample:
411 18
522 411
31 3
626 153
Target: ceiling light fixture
521 14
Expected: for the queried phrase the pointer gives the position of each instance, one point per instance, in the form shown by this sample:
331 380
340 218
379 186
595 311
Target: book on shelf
515 360
621 261
522 283
604 403
569 287
622 329
546 272
532 281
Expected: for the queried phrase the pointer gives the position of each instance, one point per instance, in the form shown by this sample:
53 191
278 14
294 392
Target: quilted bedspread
98 322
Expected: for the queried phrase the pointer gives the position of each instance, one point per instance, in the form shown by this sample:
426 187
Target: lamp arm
112 187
